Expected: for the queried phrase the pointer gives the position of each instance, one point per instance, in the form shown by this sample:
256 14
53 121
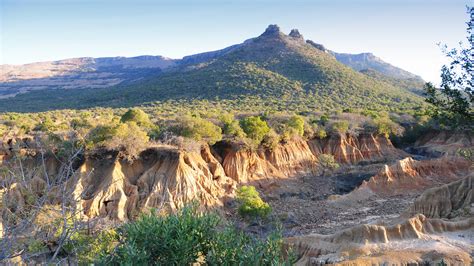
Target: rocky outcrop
438 143
272 30
450 200
107 186
294 33
160 178
286 160
353 149
409 175
421 234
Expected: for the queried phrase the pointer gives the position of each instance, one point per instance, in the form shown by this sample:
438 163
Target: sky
404 33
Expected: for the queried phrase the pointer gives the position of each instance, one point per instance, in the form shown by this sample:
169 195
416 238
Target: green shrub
100 134
199 129
297 123
324 119
89 248
231 126
36 246
129 138
386 127
187 237
327 162
320 133
255 128
341 126
138 116
271 140
251 205
233 247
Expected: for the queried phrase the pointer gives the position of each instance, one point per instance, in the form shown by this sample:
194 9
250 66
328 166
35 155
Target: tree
138 116
255 128
231 126
452 101
199 129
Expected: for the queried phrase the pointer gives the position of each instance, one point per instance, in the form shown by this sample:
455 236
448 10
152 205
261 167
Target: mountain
274 67
375 67
78 73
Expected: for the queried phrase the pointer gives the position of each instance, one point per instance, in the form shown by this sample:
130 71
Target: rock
294 33
272 30
447 200
317 45
409 175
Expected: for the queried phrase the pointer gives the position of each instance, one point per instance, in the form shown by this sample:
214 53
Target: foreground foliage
188 237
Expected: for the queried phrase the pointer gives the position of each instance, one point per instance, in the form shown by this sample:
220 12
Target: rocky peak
316 45
294 33
272 30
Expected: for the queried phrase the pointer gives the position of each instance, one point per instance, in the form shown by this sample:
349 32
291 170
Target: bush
320 133
271 140
188 237
255 128
128 138
138 116
341 126
386 127
297 123
99 135
231 126
199 129
324 119
327 162
251 205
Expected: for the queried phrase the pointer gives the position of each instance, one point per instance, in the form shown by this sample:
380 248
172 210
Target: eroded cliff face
438 143
104 185
286 160
403 242
408 175
159 178
353 149
450 200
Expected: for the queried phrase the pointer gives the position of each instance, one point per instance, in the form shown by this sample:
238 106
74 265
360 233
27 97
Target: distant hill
78 73
375 67
274 67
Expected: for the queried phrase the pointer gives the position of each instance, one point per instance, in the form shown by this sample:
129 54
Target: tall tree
452 102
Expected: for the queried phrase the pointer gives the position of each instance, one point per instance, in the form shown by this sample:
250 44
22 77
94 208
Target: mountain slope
273 66
78 73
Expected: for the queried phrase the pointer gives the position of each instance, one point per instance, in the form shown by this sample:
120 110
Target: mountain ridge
272 65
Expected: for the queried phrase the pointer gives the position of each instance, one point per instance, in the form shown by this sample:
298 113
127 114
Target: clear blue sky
402 32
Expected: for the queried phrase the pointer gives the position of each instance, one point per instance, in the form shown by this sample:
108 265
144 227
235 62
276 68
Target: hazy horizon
403 33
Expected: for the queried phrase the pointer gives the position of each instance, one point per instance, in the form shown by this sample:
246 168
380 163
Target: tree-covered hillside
273 66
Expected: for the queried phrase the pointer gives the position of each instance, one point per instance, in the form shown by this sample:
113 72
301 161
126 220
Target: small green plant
251 205
327 162
36 246
255 128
